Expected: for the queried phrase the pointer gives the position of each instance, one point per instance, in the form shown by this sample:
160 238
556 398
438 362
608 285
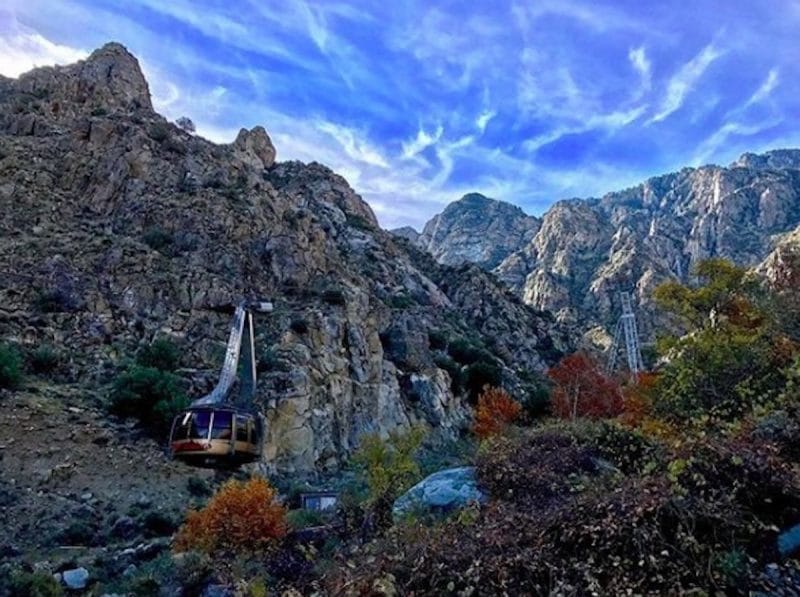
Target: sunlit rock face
119 227
583 252
476 229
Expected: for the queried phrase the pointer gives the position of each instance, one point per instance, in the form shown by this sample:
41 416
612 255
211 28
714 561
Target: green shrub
388 467
536 399
359 222
10 366
44 359
467 352
159 131
162 354
454 369
158 524
33 584
77 533
334 296
54 300
198 487
157 238
437 339
304 519
480 374
400 301
153 396
299 326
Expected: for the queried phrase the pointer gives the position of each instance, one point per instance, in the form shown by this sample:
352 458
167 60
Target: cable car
208 435
213 430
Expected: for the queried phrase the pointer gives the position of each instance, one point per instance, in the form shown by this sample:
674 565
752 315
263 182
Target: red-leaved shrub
496 410
580 389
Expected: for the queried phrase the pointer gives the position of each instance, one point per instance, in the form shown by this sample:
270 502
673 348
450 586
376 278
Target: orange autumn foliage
496 410
581 389
242 517
637 399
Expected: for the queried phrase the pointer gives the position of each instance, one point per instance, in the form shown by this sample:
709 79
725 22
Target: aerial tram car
214 430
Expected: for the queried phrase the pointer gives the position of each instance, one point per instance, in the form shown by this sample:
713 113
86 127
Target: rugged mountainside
584 251
476 229
119 227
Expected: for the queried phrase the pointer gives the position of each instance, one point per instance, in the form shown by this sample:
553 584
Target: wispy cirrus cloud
684 81
416 103
22 48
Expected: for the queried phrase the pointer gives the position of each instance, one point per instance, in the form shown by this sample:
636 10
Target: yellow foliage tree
496 410
242 517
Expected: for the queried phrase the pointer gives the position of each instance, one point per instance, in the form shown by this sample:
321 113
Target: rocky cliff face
585 251
476 229
119 227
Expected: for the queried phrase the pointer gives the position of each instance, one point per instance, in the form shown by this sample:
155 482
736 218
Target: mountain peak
110 77
477 229
777 159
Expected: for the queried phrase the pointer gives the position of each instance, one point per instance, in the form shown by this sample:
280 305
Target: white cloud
722 137
766 88
354 144
641 63
684 81
422 141
22 49
484 118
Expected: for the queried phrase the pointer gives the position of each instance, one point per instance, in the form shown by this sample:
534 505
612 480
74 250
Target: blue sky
417 102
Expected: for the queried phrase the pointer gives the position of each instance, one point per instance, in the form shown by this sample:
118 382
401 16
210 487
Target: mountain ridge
120 227
584 250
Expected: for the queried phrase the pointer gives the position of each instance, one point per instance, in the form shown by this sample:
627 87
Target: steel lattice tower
626 332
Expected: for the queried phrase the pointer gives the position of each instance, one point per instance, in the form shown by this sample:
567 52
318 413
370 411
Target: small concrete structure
319 500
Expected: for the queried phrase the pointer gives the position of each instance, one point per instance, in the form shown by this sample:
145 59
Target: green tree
732 356
10 366
388 468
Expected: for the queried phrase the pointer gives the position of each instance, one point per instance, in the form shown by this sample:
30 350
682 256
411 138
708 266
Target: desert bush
158 524
580 389
76 533
628 450
706 525
243 517
466 352
44 359
437 339
553 462
186 124
453 369
157 238
480 374
55 300
637 399
439 452
299 326
303 519
22 583
400 301
161 354
10 366
153 396
198 487
334 296
496 410
159 131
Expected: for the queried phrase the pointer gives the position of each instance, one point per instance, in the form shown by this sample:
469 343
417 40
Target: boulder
254 148
75 579
440 493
